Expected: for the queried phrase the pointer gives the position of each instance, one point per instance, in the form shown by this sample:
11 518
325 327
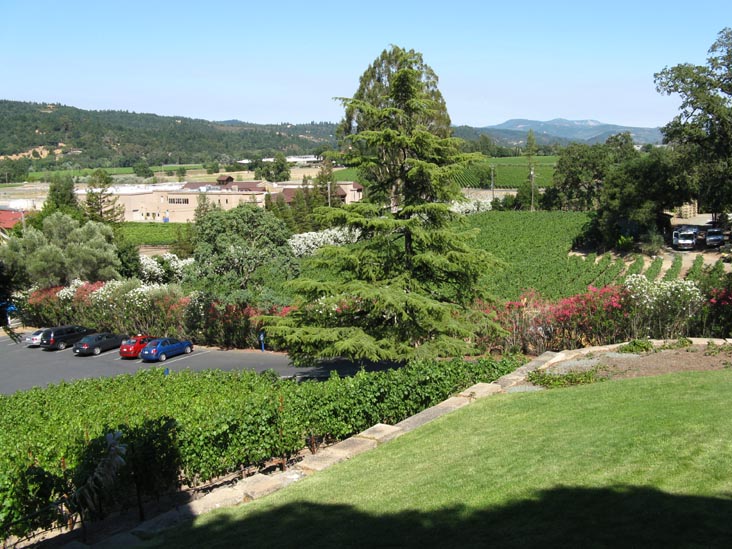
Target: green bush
636 346
554 381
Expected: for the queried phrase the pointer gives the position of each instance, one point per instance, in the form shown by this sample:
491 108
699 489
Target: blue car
163 348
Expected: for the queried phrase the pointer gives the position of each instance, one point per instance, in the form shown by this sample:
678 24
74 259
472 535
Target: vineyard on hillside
535 248
508 173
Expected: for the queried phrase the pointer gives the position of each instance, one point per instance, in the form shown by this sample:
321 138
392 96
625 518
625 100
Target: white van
684 239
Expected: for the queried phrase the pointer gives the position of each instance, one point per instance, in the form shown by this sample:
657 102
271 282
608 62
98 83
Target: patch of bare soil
614 365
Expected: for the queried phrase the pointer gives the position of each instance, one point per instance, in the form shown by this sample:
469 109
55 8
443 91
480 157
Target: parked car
94 344
34 339
714 237
163 348
131 347
60 337
684 239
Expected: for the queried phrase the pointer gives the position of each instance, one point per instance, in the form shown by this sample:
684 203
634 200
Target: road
23 367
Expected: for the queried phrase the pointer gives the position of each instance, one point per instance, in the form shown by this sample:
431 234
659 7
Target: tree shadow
620 516
343 367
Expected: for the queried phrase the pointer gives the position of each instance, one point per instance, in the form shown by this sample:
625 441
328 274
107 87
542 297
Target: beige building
177 202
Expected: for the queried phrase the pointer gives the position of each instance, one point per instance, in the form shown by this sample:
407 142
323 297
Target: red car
131 348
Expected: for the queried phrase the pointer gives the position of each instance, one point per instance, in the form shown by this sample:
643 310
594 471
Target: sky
286 61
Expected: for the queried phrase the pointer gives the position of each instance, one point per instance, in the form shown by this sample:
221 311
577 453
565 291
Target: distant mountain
48 135
120 138
588 131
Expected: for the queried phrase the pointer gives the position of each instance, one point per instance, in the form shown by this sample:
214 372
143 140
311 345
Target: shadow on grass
620 516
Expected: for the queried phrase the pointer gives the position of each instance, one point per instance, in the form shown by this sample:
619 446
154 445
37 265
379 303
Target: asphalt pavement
23 367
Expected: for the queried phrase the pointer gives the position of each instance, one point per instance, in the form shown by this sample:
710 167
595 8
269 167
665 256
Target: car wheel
162 358
97 350
187 349
61 345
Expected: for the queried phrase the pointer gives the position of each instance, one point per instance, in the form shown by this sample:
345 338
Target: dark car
165 347
60 337
96 343
131 348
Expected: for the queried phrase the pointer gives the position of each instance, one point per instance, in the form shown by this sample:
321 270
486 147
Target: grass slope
642 462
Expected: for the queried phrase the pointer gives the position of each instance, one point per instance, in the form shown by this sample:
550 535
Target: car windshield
714 232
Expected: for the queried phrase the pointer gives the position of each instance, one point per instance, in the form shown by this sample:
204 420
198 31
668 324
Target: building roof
228 186
10 218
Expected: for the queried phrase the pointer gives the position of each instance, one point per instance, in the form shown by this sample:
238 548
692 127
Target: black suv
61 337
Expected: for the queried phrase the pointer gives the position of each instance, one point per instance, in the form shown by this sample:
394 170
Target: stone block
380 432
481 390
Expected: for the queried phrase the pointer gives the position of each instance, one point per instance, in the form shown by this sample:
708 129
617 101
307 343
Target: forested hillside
119 138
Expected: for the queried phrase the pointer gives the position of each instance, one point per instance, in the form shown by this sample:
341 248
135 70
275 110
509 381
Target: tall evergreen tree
101 205
406 289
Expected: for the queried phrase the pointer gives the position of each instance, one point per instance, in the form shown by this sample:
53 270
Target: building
10 217
177 202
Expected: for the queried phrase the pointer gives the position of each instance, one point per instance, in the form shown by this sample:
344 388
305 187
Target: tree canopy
702 131
406 288
63 250
241 253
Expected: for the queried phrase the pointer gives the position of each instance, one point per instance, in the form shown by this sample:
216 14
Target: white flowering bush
67 293
661 309
151 271
470 206
163 269
305 244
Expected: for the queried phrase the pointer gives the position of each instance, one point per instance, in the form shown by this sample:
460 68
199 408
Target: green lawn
633 463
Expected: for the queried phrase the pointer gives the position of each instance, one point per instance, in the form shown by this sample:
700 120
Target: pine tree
407 288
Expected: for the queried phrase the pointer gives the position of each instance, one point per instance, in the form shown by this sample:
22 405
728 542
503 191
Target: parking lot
23 367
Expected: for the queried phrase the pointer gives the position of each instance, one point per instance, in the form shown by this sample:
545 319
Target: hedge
190 427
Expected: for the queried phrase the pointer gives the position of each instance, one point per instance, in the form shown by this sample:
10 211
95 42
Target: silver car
34 339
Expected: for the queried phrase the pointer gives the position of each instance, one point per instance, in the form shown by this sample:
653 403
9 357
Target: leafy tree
142 169
14 170
277 170
636 194
212 167
183 246
581 170
101 205
242 253
406 289
181 173
702 131
61 251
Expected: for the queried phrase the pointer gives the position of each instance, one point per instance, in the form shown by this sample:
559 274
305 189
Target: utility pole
493 188
531 178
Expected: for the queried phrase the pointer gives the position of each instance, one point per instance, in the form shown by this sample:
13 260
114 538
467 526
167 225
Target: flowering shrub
304 244
535 325
118 306
225 325
163 269
662 309
470 206
596 317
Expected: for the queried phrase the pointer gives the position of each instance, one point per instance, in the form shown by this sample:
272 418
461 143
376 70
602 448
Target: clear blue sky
285 61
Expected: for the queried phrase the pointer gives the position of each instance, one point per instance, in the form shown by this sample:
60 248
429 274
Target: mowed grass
634 463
